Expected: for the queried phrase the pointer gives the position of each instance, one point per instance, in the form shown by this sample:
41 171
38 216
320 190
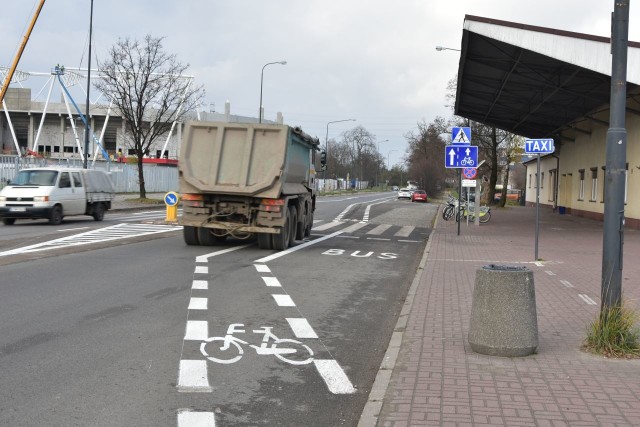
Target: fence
157 178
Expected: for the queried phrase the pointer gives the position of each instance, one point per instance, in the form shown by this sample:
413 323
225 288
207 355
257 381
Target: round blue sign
171 198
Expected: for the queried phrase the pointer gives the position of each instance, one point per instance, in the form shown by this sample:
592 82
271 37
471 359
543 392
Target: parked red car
419 196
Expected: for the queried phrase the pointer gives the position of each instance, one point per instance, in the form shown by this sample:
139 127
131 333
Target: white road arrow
468 151
452 156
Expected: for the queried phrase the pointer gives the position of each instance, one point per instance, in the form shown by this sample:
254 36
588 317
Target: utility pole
613 236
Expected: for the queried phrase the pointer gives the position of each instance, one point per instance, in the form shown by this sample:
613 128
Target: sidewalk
438 380
129 201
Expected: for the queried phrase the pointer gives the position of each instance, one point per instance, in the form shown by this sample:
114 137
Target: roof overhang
534 81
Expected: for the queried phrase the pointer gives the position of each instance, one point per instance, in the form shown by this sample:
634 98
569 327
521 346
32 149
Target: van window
77 182
65 181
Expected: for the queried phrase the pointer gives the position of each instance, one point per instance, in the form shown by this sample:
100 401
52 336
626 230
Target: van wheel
190 235
207 237
8 221
98 212
56 216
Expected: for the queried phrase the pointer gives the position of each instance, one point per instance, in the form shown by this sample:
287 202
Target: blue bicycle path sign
461 156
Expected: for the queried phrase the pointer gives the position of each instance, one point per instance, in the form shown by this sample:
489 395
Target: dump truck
55 192
243 180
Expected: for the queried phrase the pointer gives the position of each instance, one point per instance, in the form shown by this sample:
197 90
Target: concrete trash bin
503 312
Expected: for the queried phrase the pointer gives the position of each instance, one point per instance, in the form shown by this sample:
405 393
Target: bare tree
426 154
360 141
148 88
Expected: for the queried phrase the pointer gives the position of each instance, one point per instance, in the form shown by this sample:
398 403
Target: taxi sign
538 146
171 198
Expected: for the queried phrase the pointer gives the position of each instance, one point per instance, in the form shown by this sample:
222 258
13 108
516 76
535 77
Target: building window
581 186
604 182
542 180
594 184
529 180
552 193
626 182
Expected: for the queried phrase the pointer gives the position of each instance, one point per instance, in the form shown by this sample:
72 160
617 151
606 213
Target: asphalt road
117 332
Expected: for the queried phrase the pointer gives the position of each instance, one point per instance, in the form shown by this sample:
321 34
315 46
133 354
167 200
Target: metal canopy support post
459 215
537 206
613 236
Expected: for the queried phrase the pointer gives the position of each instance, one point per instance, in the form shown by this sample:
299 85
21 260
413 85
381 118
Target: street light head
283 62
439 48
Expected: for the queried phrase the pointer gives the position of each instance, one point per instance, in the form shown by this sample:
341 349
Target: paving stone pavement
438 380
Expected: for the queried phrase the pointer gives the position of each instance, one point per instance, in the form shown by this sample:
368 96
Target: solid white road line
201 269
197 330
205 258
334 376
301 328
271 281
193 377
261 268
283 300
200 284
404 231
297 248
189 418
198 304
586 299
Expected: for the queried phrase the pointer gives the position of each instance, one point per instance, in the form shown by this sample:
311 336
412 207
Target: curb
373 407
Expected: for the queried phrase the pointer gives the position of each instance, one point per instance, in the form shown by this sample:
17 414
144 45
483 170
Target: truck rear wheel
265 241
301 226
207 237
281 241
309 225
293 221
190 235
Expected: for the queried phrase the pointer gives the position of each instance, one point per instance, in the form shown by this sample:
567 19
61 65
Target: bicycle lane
249 310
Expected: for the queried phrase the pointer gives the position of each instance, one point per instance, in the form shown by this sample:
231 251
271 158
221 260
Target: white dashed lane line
586 299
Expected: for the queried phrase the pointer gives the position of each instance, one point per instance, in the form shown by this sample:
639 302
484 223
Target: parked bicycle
229 349
485 214
452 208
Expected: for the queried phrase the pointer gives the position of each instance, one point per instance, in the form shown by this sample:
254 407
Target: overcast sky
371 60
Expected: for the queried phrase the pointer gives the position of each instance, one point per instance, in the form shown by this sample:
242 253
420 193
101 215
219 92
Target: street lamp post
261 81
326 150
440 48
86 112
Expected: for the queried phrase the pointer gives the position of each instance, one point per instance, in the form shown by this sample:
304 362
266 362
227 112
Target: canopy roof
535 81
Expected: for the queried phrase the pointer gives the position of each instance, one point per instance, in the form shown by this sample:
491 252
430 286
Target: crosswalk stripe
405 231
380 229
354 227
327 226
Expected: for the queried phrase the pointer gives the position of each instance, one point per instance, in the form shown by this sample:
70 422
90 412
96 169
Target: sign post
461 155
538 146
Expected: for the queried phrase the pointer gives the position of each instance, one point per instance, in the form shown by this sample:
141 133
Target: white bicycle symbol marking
467 161
299 354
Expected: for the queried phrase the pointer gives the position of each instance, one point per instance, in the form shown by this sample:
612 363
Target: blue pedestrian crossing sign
538 146
461 135
461 156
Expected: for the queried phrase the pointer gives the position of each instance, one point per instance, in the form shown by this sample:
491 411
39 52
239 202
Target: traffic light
323 160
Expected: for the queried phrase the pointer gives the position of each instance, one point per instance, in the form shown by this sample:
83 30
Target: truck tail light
272 205
193 200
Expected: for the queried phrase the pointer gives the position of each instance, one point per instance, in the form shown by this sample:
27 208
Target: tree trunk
143 191
493 179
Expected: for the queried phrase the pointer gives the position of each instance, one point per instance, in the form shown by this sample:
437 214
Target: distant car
404 194
419 196
395 188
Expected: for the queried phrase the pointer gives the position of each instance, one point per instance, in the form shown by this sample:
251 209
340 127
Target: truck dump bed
258 160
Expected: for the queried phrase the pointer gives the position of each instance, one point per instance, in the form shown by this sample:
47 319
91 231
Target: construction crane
14 65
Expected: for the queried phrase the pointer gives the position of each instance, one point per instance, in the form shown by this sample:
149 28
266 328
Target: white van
54 193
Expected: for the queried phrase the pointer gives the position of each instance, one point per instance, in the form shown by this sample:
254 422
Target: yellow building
547 83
